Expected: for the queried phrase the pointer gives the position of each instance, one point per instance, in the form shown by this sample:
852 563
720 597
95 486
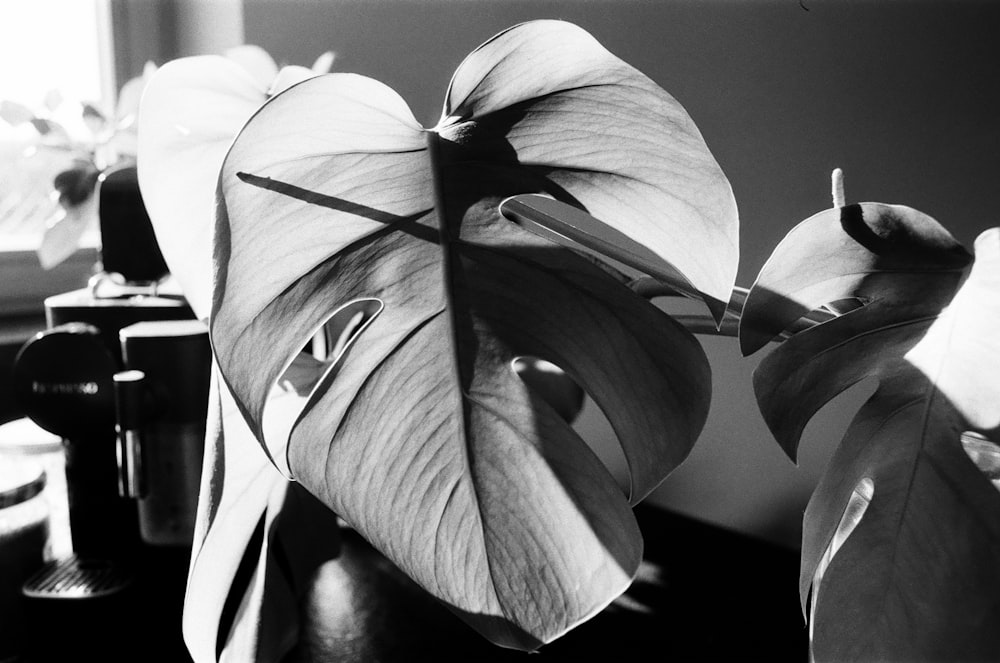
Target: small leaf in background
77 214
94 119
917 578
122 145
291 74
324 63
64 231
76 184
43 126
53 100
422 436
255 61
14 113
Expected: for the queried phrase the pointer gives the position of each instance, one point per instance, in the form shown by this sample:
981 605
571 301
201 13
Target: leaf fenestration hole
574 405
985 454
824 313
846 305
552 384
311 371
858 503
341 328
350 330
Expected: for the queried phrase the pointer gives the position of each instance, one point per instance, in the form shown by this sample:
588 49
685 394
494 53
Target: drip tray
75 578
79 609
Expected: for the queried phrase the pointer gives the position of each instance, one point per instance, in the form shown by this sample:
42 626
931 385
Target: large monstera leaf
336 203
902 536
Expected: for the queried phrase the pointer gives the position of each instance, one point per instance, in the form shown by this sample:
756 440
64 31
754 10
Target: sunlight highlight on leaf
961 352
858 503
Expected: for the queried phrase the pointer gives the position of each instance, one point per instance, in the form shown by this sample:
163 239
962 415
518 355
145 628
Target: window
54 54
87 49
60 44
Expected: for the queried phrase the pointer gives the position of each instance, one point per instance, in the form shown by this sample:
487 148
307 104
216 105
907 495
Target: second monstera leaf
336 202
191 110
900 540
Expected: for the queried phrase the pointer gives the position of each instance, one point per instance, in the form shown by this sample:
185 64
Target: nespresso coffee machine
121 373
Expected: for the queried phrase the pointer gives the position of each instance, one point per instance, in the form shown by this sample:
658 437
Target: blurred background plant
53 152
52 156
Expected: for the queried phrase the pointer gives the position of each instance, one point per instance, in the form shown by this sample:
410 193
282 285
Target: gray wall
902 96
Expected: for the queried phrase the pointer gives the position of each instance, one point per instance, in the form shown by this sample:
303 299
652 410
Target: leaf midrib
869 332
926 398
447 257
930 392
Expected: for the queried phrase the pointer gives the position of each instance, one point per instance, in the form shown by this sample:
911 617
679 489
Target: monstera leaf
258 537
191 110
336 204
901 537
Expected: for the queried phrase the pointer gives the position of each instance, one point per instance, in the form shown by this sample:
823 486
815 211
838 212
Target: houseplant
338 212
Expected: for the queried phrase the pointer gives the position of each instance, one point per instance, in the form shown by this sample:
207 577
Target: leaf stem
656 279
576 229
697 323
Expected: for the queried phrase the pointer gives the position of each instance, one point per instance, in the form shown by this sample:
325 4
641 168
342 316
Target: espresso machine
121 374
